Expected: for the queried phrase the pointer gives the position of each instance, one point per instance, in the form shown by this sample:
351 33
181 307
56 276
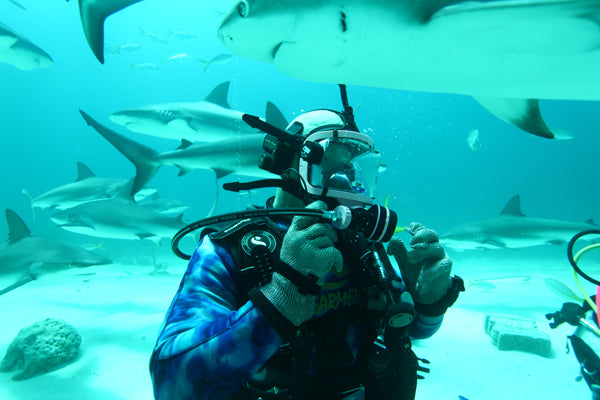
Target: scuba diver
299 299
585 340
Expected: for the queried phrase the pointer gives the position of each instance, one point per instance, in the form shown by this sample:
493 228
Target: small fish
112 49
155 37
92 246
18 5
560 288
473 139
562 135
179 58
130 47
218 59
185 35
148 67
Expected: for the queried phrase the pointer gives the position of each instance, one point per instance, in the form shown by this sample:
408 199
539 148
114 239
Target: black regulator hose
377 223
241 215
572 260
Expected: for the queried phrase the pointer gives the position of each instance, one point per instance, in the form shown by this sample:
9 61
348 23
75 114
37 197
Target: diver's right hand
308 246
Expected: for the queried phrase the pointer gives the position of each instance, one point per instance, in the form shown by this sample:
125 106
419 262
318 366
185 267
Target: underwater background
433 176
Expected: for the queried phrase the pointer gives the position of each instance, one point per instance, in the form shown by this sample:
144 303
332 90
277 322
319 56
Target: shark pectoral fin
556 242
180 124
7 41
182 170
525 114
150 236
93 13
78 224
495 243
221 172
28 277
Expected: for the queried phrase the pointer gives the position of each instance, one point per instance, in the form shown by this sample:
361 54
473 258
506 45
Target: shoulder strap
254 245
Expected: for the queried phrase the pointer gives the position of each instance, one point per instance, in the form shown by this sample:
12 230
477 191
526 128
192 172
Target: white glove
425 267
308 247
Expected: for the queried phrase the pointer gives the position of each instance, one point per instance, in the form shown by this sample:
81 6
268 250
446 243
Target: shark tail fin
525 114
93 13
142 157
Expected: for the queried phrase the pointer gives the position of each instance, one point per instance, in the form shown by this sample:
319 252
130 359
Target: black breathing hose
572 260
241 215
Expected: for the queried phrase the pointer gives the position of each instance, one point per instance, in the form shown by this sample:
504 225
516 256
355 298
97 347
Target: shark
512 229
87 187
118 218
232 154
506 54
20 52
30 256
209 120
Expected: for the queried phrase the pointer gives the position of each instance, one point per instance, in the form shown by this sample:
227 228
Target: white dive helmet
336 162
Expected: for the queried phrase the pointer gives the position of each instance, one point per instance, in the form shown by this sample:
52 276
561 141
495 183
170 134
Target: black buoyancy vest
254 245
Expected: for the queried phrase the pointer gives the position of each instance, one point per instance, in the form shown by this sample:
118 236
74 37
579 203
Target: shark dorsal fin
83 172
17 229
184 144
219 94
591 221
275 117
513 207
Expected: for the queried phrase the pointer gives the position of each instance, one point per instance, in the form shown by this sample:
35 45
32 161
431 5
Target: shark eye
243 8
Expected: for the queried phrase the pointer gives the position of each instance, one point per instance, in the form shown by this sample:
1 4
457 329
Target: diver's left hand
425 267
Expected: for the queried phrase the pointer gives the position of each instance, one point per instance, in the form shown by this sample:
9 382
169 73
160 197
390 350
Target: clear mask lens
348 165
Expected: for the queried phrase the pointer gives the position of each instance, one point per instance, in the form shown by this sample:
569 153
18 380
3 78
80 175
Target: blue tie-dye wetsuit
209 346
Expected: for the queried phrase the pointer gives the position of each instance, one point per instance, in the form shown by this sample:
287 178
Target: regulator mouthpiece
378 223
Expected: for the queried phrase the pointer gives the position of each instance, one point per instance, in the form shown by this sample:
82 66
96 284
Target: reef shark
87 187
30 256
512 229
238 154
505 53
20 52
118 218
210 120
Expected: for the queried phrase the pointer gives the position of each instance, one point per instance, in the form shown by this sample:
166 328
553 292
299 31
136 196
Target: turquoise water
432 175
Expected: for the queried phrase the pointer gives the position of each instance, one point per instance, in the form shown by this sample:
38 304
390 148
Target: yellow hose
580 286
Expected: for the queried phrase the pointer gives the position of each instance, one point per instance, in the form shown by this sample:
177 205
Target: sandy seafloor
118 309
